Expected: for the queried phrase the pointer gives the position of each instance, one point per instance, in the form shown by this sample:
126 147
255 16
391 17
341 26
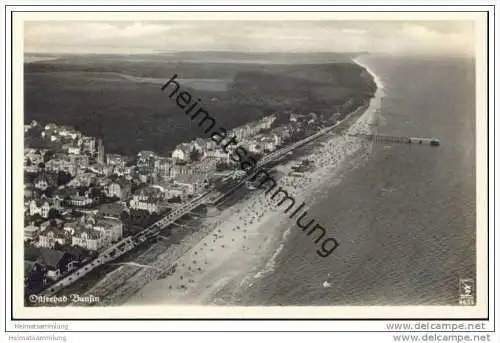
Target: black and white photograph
231 162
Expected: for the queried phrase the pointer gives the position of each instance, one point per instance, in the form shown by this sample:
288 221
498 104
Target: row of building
66 218
208 148
89 232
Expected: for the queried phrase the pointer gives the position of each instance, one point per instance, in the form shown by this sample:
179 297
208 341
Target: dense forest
85 92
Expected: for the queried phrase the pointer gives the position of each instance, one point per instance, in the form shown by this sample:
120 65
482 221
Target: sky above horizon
393 37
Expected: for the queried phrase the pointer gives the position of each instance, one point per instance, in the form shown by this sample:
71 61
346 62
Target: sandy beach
246 237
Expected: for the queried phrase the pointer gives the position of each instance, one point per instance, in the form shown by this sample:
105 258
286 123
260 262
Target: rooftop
50 257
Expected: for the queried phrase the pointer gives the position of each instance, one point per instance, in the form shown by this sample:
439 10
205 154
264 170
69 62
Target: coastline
243 250
311 187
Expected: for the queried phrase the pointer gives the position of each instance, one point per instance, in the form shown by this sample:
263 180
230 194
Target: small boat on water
327 284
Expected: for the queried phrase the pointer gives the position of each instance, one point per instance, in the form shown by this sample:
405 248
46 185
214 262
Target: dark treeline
134 116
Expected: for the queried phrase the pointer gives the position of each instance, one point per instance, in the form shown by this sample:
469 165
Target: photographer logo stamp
467 292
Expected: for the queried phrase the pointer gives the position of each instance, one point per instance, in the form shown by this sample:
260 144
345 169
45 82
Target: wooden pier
401 139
